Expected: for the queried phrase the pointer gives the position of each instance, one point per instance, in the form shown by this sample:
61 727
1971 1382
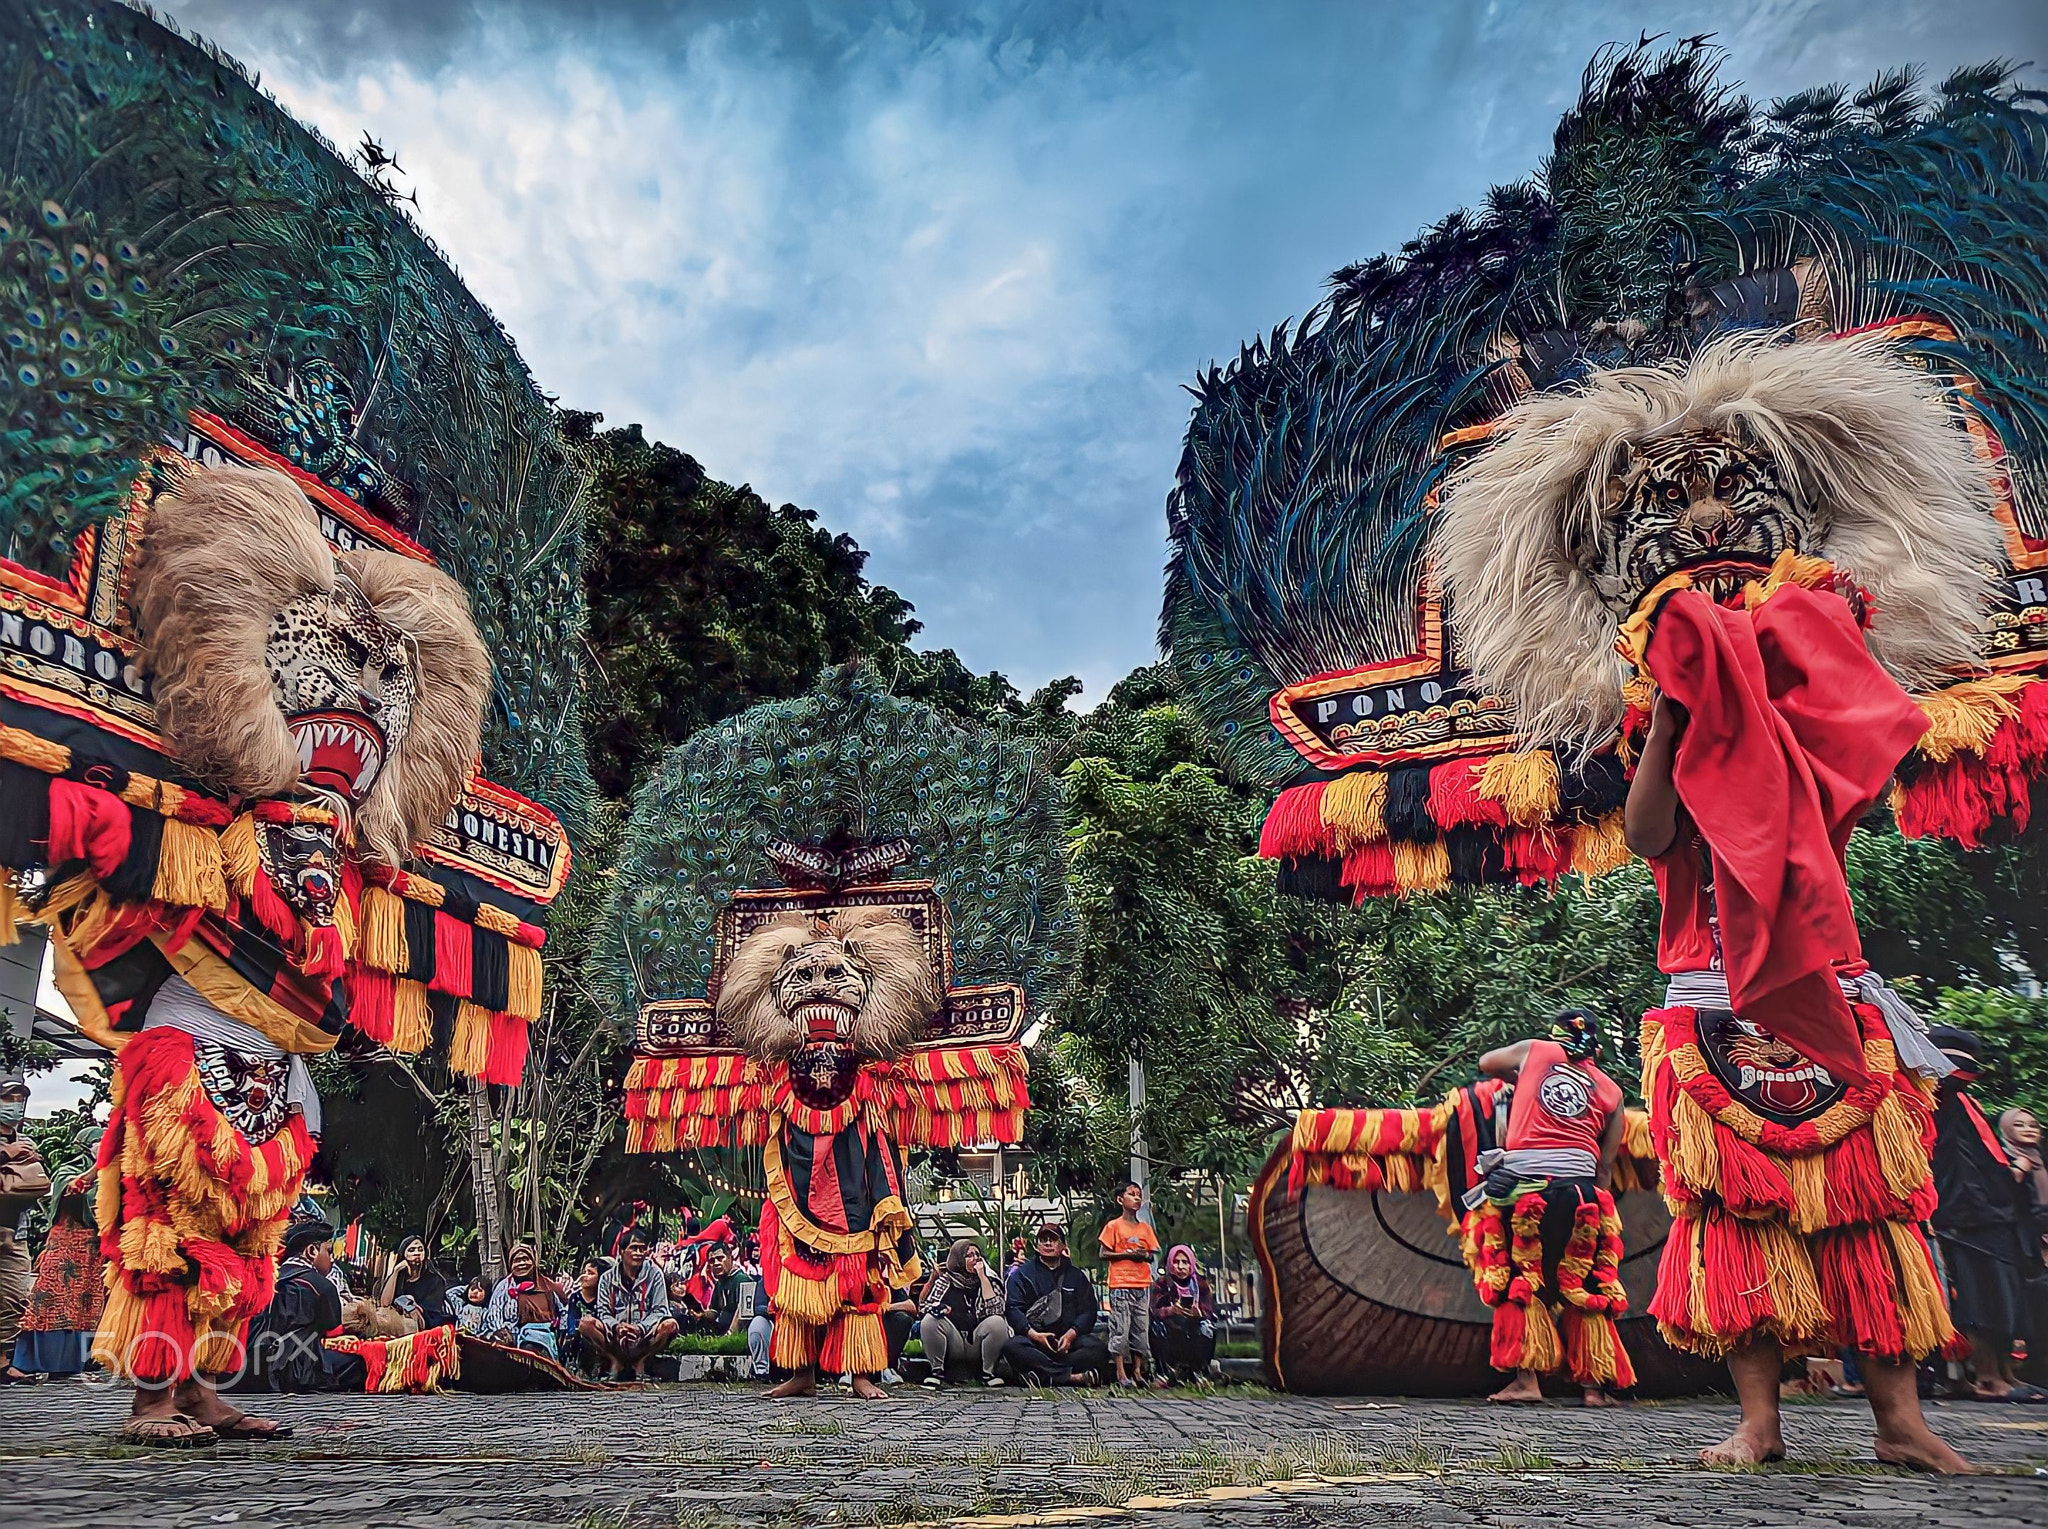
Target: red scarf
1794 732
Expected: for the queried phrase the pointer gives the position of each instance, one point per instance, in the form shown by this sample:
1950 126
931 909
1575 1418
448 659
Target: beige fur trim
224 550
1868 444
453 673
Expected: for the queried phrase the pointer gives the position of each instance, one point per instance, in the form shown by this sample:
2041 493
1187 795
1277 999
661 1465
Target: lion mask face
826 995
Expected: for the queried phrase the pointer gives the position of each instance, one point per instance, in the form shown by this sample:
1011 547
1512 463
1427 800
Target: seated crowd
1039 1323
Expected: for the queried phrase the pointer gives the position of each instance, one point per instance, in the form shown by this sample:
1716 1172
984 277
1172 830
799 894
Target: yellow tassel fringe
188 869
412 1022
471 1045
1525 785
1354 809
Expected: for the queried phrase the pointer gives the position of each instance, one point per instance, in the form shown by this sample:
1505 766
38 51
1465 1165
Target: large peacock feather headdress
1303 610
846 784
172 240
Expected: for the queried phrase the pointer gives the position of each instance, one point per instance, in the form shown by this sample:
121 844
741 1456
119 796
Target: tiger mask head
1584 499
282 668
1697 500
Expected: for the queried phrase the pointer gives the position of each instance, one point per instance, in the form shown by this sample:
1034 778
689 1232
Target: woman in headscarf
63 1310
524 1307
2021 1133
1183 1317
962 1314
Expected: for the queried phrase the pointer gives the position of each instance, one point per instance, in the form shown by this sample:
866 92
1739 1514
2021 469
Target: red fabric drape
1794 731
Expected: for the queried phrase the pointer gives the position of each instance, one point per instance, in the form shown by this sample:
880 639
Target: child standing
1127 1246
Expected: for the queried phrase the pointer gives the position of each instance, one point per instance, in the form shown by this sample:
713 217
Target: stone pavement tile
705 1455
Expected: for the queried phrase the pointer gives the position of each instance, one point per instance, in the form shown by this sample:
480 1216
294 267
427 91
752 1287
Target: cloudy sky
939 271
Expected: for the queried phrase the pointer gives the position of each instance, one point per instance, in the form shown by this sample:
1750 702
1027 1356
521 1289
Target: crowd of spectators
1038 1322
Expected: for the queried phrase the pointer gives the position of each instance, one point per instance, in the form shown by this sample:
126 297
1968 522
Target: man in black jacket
285 1351
1979 1220
1052 1310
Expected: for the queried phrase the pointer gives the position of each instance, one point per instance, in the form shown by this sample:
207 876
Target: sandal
2024 1394
248 1430
171 1431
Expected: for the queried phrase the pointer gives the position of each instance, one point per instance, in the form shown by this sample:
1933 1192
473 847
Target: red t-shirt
1688 936
1560 1103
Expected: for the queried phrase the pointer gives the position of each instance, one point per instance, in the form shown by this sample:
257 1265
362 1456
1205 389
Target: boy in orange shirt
1127 1247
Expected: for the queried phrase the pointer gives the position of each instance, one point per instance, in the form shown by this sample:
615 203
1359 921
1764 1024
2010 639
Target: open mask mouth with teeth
1772 1078
340 752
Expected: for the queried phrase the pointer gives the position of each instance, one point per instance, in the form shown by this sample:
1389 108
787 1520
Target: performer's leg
1903 1437
1758 1438
793 1346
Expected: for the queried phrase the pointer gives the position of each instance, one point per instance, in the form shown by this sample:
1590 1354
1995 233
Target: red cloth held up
1794 731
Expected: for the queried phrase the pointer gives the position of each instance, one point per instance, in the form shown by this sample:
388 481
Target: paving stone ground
708 1457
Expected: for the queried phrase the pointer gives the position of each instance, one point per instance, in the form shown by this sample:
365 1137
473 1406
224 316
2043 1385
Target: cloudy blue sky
939 271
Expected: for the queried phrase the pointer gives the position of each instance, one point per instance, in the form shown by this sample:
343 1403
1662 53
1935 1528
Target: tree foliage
704 600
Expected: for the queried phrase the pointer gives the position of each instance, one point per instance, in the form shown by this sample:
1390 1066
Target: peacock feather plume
170 238
850 762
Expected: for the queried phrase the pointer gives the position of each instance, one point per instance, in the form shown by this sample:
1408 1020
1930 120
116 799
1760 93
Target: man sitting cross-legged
1053 1311
632 1320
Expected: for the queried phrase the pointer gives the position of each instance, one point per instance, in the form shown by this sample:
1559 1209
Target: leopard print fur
1684 500
346 683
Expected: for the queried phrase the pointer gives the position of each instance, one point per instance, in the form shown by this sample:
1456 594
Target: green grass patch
701 1343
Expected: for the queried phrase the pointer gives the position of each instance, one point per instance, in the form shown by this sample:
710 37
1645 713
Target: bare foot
1748 1445
1524 1390
1991 1391
867 1390
1925 1453
804 1383
1595 1397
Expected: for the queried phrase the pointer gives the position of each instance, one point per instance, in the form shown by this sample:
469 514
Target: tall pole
483 1172
1222 1230
1140 1168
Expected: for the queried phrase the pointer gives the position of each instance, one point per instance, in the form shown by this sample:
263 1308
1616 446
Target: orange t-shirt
1129 1273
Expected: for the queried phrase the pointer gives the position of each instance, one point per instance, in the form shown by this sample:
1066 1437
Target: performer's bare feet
1750 1444
803 1383
867 1390
1903 1437
1926 1453
1595 1397
1524 1389
1760 1438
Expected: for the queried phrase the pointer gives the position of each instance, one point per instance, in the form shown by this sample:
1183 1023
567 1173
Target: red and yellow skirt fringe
415 1365
827 1289
1809 1235
191 1216
1541 1324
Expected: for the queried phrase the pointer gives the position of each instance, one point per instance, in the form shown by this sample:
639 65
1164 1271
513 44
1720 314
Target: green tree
704 600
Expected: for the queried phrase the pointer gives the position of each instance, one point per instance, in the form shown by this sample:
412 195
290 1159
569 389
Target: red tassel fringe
1962 797
1294 824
